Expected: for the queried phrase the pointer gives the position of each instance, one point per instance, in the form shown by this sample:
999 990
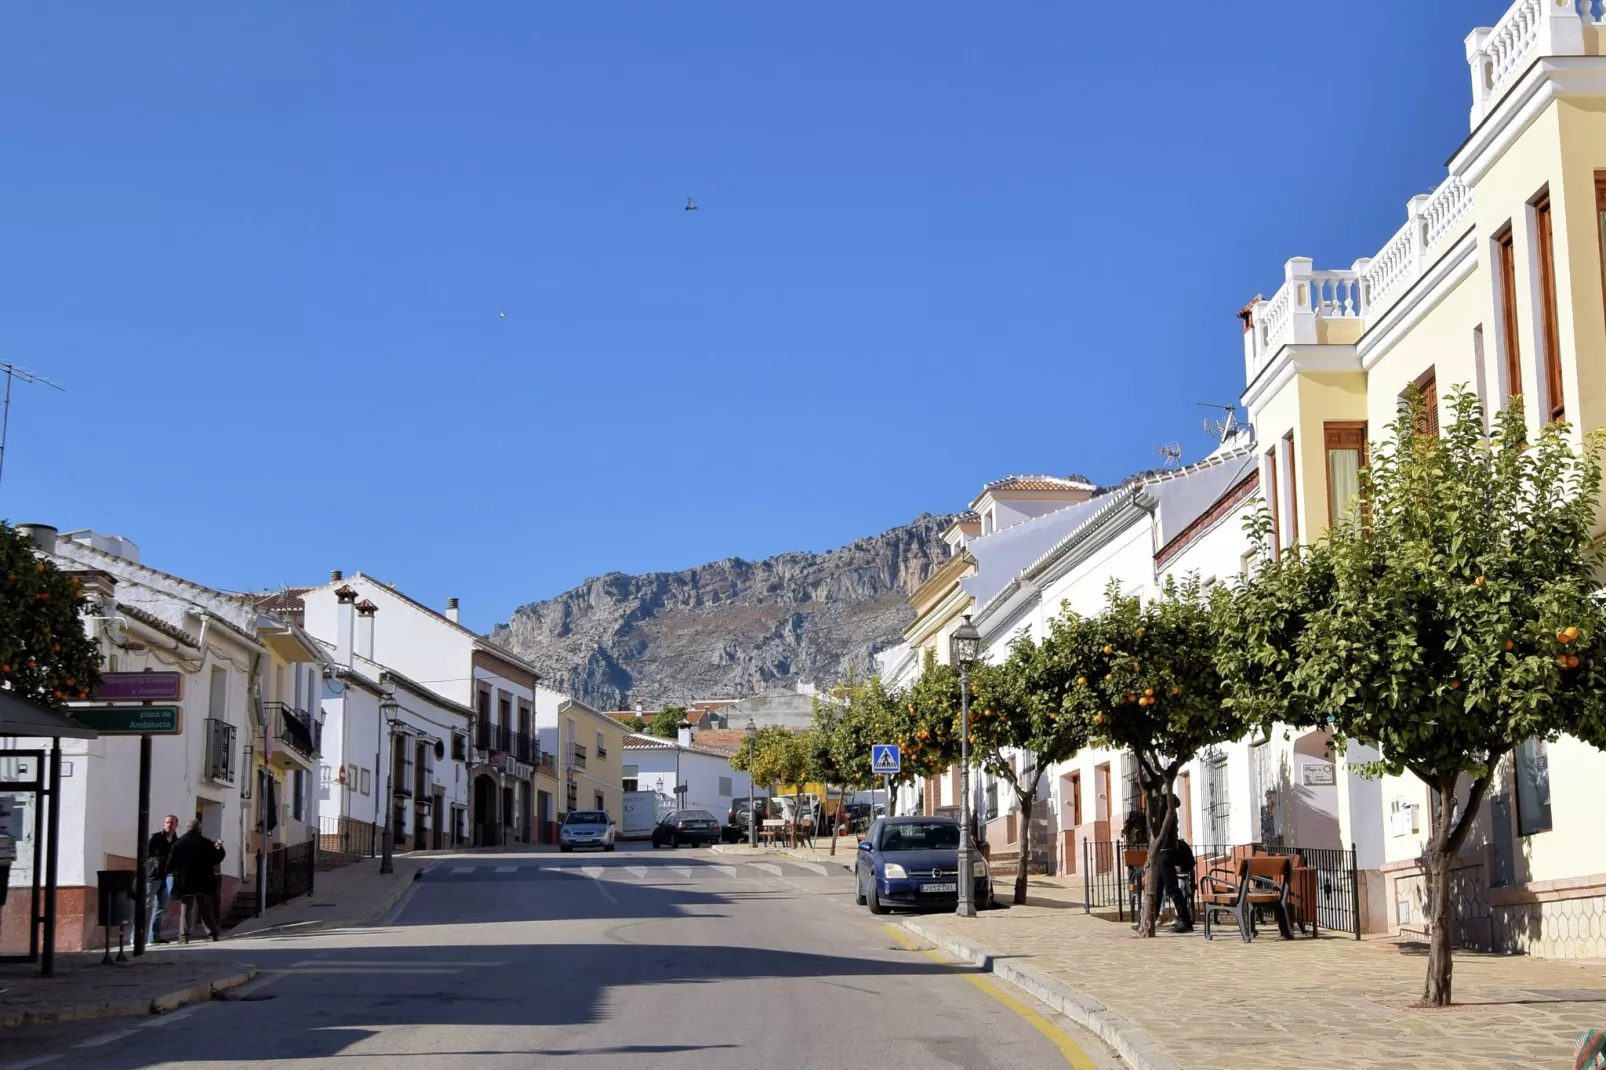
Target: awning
19 717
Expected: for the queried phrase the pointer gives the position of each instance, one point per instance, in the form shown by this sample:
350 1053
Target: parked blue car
913 862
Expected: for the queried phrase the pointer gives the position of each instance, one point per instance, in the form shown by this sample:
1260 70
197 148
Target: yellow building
589 758
1494 283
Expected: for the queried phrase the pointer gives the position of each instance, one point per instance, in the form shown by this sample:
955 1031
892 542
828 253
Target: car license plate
939 887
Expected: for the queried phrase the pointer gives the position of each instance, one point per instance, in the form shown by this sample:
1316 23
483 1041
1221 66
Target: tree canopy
45 655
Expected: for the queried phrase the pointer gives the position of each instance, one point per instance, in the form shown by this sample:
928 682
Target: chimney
335 575
451 610
638 707
43 535
365 628
344 624
685 733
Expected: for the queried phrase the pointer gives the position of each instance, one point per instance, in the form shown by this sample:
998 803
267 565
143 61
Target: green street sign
130 720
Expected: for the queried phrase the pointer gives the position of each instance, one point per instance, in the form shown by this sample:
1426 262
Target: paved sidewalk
355 894
83 988
1183 1002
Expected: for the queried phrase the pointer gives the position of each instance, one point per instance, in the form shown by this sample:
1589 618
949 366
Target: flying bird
691 205
501 315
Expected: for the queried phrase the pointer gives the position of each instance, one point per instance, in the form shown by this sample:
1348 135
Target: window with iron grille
992 800
219 750
459 747
572 796
248 764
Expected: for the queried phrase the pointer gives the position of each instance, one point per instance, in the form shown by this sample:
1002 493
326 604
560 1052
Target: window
217 706
1600 222
459 747
1346 452
483 704
1506 264
219 750
1271 486
1549 338
1428 387
725 786
298 795
366 783
629 784
602 746
248 765
572 797
601 803
1533 787
1480 375
1290 491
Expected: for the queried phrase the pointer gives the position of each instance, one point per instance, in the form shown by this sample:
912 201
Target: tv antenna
1172 452
1225 426
14 372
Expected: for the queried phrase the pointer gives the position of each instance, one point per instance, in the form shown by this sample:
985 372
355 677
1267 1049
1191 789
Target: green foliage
45 656
666 725
634 723
777 756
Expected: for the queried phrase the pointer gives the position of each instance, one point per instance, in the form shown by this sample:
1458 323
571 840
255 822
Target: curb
367 917
1130 1042
131 1008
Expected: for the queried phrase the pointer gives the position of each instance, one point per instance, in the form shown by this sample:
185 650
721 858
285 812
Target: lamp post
752 818
388 710
964 650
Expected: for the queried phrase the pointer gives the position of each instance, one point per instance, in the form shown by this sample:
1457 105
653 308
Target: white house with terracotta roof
703 768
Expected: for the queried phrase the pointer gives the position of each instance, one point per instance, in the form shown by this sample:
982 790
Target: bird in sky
501 315
691 205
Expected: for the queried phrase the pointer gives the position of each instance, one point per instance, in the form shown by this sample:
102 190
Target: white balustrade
1513 37
1446 211
1529 29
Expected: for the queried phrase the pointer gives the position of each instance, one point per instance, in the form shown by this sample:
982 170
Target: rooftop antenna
14 372
1172 452
1224 427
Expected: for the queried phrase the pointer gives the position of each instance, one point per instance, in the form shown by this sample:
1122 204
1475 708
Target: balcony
494 738
579 757
292 728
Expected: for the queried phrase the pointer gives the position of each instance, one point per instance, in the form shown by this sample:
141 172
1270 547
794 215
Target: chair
1261 881
1134 859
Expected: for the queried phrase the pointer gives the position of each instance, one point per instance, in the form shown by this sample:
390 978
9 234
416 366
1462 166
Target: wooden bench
772 829
1261 881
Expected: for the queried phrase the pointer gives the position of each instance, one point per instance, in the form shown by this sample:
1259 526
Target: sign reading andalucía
130 720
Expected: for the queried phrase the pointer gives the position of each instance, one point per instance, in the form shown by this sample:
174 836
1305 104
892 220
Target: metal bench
1259 882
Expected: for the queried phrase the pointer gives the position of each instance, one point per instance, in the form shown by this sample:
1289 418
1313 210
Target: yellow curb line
1074 1055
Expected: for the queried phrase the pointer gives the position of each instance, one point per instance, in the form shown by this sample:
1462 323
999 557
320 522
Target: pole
752 817
967 882
47 954
5 421
891 810
141 846
264 800
385 864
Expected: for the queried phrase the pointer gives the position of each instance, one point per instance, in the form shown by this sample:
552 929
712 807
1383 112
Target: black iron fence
1325 893
290 872
343 835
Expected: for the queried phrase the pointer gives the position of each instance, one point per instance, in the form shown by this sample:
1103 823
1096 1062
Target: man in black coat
191 863
157 882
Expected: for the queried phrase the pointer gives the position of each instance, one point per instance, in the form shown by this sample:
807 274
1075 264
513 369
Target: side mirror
864 845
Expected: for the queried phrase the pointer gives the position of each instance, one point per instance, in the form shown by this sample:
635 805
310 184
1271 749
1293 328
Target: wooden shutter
1273 491
1428 387
1507 265
1555 402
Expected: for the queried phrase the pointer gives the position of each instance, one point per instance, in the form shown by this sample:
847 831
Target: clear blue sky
937 243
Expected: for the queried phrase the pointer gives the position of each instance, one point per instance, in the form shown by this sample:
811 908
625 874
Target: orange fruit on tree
1149 691
1572 661
1561 659
1509 644
1570 633
1478 582
1081 681
1454 684
1108 649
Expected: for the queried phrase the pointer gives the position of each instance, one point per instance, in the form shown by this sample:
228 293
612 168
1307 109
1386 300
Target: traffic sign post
886 759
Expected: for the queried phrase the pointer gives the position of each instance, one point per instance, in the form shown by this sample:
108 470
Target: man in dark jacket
1176 857
191 862
157 881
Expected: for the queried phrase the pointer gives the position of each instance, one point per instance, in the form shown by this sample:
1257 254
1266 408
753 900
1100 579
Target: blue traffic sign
885 759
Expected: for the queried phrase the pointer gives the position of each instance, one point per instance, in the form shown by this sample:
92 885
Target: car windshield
587 817
920 836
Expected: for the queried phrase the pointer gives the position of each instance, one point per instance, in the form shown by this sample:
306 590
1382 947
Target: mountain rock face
731 628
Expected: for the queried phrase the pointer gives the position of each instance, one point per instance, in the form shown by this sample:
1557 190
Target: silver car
586 828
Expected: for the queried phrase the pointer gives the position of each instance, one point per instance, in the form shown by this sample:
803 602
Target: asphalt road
673 959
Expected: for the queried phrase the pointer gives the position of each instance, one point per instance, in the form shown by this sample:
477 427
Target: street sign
130 720
140 687
885 759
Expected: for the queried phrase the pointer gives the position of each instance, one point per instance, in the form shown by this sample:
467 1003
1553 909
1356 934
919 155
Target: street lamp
752 818
964 650
389 711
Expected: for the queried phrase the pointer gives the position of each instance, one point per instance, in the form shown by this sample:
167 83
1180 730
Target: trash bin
116 897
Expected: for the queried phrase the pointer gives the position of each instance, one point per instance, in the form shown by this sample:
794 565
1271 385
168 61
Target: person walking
1176 857
158 881
191 862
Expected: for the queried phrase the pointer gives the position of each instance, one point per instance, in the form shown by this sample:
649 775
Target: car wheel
608 847
874 901
858 890
564 848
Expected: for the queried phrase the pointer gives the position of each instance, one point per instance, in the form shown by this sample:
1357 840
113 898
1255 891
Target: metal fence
290 872
1325 892
343 835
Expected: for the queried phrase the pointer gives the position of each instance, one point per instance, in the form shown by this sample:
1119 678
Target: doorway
485 803
543 810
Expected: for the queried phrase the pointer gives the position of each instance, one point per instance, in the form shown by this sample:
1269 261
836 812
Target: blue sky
266 252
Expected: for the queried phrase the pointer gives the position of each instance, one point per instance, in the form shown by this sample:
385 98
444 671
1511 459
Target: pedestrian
1176 857
191 863
158 880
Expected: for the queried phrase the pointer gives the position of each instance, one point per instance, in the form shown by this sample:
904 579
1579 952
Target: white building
658 765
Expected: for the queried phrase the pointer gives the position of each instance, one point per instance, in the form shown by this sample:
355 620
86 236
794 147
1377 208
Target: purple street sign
140 687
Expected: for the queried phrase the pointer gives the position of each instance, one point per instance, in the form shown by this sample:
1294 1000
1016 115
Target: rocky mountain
731 628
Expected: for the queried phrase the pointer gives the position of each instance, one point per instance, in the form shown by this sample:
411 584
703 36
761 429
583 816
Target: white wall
700 772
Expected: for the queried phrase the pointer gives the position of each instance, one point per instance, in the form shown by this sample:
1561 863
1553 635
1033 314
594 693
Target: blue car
913 862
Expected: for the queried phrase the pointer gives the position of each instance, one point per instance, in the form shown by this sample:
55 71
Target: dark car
736 822
914 862
686 826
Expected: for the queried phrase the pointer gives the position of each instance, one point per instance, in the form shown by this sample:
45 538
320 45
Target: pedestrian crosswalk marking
507 869
462 869
594 872
725 871
769 867
812 867
683 872
638 872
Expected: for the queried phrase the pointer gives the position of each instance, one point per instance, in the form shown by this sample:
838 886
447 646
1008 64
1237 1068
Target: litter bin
116 897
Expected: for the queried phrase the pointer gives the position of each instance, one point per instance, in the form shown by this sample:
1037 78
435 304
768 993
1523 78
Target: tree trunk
1025 812
1149 911
1443 846
836 821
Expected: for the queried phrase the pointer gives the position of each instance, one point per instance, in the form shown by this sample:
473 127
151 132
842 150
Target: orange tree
45 656
1454 617
923 720
1144 679
1018 710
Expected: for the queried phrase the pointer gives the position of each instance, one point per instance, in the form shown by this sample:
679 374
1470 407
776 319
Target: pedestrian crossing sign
885 759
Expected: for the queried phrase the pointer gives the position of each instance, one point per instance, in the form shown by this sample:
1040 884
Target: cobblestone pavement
1332 1001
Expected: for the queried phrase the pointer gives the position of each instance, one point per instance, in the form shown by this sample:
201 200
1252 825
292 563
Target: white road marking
105 1038
728 872
767 867
167 1019
684 872
594 872
551 869
507 869
462 869
25 1063
638 872
602 887
813 867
